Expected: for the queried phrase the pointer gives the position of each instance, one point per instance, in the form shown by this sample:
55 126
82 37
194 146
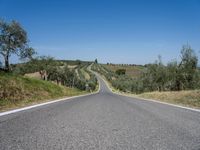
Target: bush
158 77
120 71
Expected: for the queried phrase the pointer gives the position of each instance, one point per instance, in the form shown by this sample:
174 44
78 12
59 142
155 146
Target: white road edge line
151 100
46 103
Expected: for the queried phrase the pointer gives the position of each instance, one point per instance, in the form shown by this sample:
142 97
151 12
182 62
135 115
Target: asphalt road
103 121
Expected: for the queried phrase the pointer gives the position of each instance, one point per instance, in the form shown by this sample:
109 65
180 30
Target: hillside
126 85
132 71
17 91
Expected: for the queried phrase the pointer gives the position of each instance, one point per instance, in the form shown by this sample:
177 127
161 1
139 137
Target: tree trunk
7 66
178 85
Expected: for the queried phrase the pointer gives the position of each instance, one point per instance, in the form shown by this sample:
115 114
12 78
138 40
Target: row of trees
91 83
14 41
57 71
175 76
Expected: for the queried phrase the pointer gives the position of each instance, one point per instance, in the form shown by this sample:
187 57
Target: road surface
103 121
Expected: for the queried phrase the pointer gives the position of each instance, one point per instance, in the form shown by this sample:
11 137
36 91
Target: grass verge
189 98
18 91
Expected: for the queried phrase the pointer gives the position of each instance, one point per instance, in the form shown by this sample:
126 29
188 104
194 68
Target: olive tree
0 64
13 40
96 61
188 66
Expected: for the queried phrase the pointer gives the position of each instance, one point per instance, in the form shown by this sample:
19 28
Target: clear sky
118 31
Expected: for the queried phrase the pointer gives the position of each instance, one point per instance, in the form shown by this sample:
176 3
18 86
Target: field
132 71
18 91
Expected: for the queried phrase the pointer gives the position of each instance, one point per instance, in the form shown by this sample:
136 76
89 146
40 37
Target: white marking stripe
46 103
152 100
156 101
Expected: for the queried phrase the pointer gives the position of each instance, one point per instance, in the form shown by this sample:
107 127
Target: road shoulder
113 90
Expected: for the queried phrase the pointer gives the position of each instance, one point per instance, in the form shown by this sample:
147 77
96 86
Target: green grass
189 98
18 91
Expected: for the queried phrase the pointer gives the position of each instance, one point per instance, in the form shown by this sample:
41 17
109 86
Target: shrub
120 71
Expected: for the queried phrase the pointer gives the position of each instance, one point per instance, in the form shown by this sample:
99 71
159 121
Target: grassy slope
18 91
86 75
185 98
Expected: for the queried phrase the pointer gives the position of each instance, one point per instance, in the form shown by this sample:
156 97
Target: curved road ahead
103 121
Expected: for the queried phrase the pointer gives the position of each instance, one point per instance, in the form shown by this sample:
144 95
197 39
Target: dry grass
18 91
86 75
71 66
185 98
189 98
33 75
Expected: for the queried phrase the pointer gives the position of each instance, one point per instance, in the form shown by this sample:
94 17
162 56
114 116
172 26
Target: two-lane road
102 121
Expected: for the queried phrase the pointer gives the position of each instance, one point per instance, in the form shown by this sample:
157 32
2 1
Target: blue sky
117 31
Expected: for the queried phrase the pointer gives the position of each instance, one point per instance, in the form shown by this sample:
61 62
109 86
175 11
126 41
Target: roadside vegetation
189 98
174 77
38 78
72 74
17 91
44 79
